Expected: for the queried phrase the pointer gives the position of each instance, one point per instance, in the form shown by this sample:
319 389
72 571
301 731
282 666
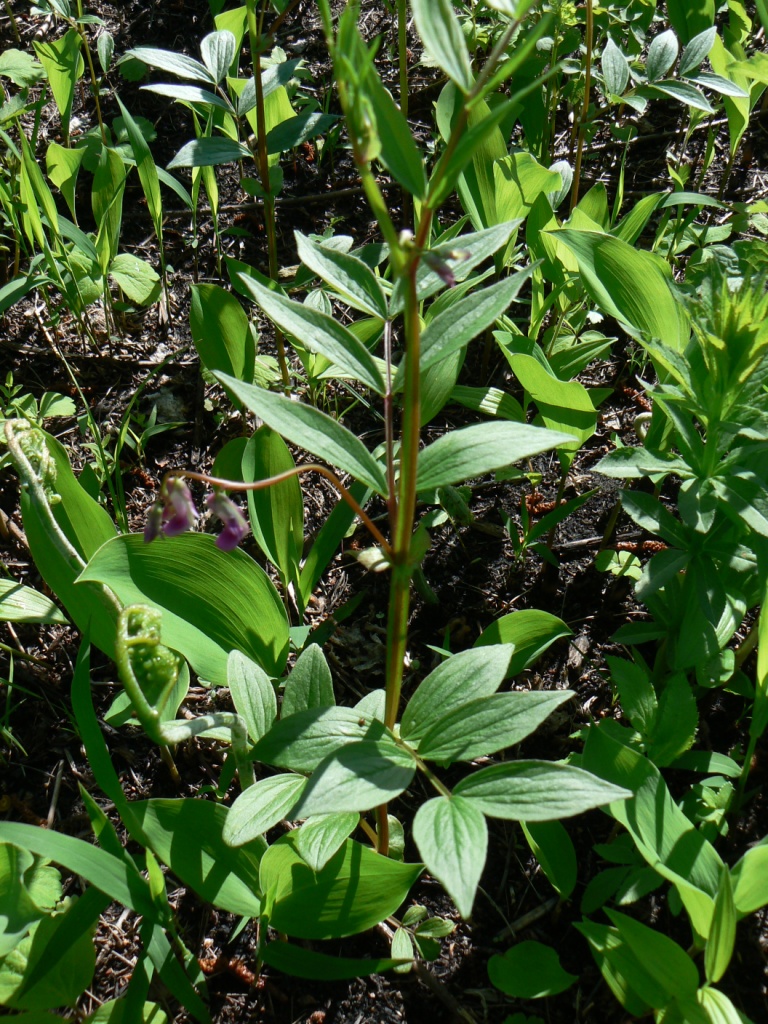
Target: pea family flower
235 524
173 513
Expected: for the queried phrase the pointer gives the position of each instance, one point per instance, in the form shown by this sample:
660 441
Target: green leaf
260 807
662 54
696 50
21 67
610 269
139 281
440 31
474 451
317 332
186 835
110 875
564 405
218 50
615 68
454 683
23 604
529 970
55 963
719 1008
19 910
636 693
357 777
555 852
488 724
189 94
221 331
207 152
353 279
537 791
456 326
321 837
355 890
452 838
62 166
398 151
295 130
722 934
674 726
205 624
626 976
147 169
750 881
115 1011
63 65
301 741
667 963
174 63
276 512
312 430
531 631
689 19
308 963
685 93
252 694
309 685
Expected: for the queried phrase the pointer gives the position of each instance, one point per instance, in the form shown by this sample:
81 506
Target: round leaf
529 970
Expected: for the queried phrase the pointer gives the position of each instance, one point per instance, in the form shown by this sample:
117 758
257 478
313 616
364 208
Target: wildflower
180 512
173 513
235 525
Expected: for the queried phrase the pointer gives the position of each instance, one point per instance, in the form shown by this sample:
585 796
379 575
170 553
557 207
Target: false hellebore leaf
452 838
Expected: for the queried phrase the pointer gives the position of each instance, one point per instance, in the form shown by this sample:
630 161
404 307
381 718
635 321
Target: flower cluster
174 512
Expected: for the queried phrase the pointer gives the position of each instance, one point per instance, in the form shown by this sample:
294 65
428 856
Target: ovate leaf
452 838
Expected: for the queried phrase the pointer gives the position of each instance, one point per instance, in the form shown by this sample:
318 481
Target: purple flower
235 525
154 522
180 512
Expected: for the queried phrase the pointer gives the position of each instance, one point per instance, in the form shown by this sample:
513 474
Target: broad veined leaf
186 835
530 631
261 806
662 54
529 970
252 694
110 874
669 965
357 777
452 838
626 976
349 276
309 685
354 891
611 269
221 331
139 281
488 724
301 741
696 50
317 332
147 169
64 64
21 67
276 512
615 69
19 910
682 91
749 877
537 791
23 604
722 934
203 623
322 835
299 962
474 451
313 430
62 166
459 679
520 179
555 852
563 405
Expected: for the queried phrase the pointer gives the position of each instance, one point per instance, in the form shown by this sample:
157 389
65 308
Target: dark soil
472 570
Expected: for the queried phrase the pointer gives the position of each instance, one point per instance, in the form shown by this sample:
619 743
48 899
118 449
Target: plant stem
585 105
262 160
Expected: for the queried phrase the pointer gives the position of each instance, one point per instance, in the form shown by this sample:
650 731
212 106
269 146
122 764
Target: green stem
262 161
585 106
